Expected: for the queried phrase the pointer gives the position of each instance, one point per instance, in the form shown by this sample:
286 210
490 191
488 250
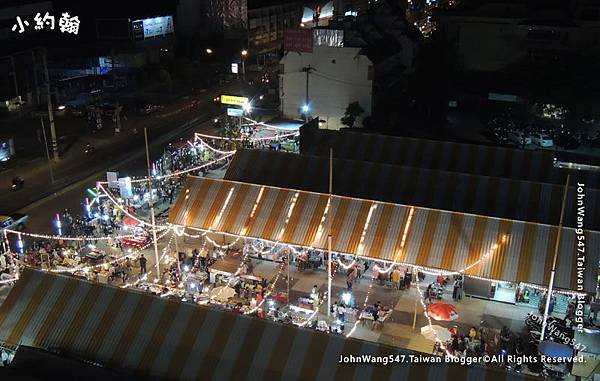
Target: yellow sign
233 100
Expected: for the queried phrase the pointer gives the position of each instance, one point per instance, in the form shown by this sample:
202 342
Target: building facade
514 31
337 76
212 18
267 22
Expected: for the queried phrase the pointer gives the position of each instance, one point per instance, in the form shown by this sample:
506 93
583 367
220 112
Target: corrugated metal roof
152 337
393 232
460 192
501 162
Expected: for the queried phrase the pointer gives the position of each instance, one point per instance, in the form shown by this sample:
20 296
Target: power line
324 76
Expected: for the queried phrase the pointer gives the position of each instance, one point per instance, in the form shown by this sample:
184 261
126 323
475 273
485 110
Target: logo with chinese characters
66 23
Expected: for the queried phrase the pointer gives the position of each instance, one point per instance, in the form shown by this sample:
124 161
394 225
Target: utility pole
50 109
151 204
14 75
307 69
243 69
117 117
330 218
556 248
47 152
35 78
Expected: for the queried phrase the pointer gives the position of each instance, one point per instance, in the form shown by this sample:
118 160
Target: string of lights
87 269
437 338
393 264
269 290
205 144
428 270
272 285
424 269
124 210
256 139
312 316
265 125
64 238
227 246
363 309
183 233
142 278
197 168
177 173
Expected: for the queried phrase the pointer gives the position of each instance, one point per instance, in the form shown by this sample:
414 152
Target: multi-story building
489 36
212 18
268 20
330 76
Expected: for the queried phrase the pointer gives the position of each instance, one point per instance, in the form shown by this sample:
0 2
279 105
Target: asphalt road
110 148
130 162
72 197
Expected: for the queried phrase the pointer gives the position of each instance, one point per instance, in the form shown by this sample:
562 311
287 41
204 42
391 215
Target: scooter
17 183
89 149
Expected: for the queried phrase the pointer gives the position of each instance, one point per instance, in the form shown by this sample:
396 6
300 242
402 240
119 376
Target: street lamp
209 51
247 107
305 110
244 54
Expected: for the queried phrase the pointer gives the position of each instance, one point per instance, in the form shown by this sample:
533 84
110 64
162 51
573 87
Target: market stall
300 315
223 269
139 240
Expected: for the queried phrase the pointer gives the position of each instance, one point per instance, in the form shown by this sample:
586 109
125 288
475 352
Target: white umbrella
430 332
222 294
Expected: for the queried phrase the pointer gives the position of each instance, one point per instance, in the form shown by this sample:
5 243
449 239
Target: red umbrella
130 221
442 311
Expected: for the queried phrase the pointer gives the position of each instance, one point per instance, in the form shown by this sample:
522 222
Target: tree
353 111
229 128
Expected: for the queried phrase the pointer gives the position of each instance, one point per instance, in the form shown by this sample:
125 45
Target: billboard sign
298 40
234 68
233 100
328 37
234 111
153 27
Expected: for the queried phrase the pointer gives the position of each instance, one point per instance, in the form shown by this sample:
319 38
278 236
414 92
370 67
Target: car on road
519 137
15 221
148 108
542 140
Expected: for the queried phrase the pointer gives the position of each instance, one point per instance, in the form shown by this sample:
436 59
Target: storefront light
346 296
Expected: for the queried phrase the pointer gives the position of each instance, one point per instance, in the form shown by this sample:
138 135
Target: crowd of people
480 342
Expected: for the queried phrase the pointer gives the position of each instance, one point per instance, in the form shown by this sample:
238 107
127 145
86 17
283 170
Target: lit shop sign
235 111
154 27
233 100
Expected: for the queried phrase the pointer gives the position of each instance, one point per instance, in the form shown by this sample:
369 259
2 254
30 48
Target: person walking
143 262
455 290
408 277
341 312
430 292
396 278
